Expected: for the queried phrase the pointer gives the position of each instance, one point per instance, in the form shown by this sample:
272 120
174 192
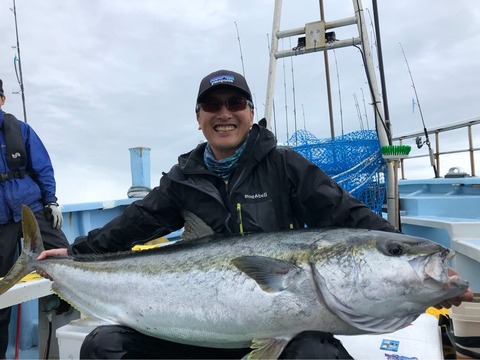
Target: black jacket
273 188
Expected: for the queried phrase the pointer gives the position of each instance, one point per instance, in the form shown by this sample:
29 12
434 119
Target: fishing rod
243 65
418 140
339 89
365 108
240 47
380 118
372 34
304 122
359 115
15 61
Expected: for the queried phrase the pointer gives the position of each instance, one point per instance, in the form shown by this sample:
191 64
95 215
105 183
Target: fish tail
32 247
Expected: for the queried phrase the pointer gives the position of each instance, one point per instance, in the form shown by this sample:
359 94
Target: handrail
471 149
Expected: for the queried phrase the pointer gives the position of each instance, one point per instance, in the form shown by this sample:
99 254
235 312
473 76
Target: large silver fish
259 290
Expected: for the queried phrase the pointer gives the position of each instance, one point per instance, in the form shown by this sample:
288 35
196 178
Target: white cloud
103 76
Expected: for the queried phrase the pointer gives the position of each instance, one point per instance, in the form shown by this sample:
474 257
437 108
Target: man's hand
466 296
53 252
447 304
56 212
46 253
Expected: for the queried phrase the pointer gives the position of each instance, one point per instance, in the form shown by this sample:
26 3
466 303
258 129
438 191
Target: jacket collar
259 143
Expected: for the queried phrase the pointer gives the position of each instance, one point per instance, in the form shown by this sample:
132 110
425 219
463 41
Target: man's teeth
224 127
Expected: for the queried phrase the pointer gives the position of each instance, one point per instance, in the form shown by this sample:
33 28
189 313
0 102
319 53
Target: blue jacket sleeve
39 164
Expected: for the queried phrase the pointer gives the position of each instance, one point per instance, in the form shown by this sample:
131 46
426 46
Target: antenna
18 60
427 141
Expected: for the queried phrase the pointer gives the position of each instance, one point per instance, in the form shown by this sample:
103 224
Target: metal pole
327 78
381 69
471 151
370 69
392 191
277 13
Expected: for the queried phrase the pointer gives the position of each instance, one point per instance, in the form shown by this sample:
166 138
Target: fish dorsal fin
31 232
269 273
195 228
267 348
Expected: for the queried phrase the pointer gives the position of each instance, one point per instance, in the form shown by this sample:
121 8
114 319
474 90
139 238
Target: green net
353 160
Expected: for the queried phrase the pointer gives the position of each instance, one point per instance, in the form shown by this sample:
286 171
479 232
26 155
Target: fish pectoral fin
357 317
267 348
269 273
194 228
373 324
381 325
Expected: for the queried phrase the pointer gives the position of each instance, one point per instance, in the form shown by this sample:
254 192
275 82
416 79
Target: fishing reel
419 142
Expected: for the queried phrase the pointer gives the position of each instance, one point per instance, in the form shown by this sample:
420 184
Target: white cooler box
420 340
70 337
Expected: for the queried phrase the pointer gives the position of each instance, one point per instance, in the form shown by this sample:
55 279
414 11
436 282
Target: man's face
224 129
2 100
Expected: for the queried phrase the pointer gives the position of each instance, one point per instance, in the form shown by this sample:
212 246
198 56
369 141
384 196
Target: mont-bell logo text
16 155
256 196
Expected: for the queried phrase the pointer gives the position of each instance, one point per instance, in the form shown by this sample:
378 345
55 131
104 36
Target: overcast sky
102 76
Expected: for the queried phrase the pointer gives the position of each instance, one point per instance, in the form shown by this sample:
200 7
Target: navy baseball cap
223 79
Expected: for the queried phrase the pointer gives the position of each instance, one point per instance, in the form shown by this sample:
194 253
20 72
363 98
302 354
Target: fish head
380 282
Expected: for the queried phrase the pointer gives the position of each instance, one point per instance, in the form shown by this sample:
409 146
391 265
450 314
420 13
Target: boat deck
446 211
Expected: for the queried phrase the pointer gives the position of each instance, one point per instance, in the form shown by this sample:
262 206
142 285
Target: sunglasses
235 103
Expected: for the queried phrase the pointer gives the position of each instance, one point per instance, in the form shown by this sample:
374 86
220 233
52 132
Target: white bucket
466 324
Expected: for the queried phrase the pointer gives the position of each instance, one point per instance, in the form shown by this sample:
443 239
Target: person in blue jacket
26 178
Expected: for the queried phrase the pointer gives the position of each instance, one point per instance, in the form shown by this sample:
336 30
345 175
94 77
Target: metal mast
315 39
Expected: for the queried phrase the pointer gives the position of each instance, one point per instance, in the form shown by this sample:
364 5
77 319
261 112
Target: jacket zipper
239 217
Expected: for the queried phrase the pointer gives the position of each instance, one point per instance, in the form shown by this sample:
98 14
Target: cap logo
222 79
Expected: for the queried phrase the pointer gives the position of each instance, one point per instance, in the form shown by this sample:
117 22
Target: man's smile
224 128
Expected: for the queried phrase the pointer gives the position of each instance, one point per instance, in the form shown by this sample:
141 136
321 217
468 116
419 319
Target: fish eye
395 249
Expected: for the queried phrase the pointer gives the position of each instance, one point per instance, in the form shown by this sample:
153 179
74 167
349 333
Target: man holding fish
238 182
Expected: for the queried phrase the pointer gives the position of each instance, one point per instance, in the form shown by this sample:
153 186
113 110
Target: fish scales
199 266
